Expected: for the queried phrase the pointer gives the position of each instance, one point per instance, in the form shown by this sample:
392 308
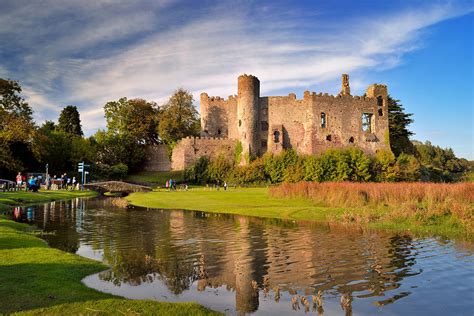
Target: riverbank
257 202
22 198
37 279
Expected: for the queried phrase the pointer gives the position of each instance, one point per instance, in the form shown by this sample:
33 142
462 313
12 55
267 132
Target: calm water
240 265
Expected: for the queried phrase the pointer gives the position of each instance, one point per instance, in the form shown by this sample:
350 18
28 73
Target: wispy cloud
94 53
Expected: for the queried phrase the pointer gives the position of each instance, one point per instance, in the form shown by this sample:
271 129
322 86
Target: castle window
380 112
206 131
219 132
379 101
351 140
240 123
328 137
276 136
367 122
323 120
264 126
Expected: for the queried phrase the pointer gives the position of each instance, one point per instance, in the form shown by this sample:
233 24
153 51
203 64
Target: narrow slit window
379 101
351 140
380 112
367 122
219 132
323 120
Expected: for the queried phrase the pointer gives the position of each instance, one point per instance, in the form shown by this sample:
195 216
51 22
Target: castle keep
272 123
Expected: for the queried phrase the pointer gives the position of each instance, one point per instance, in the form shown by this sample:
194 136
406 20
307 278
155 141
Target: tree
69 121
17 129
398 122
136 118
179 118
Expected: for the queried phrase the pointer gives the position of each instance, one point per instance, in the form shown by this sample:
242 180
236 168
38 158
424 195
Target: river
242 265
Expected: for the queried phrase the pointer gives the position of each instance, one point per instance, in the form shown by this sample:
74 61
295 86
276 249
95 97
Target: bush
118 171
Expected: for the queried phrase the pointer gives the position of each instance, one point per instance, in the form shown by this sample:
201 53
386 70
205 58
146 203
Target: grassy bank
22 198
243 201
258 202
36 279
155 178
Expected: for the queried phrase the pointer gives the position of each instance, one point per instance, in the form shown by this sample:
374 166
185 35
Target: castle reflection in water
248 256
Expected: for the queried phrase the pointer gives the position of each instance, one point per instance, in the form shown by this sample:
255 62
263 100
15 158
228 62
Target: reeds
420 201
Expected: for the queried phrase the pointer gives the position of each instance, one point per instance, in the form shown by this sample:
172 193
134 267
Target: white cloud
208 52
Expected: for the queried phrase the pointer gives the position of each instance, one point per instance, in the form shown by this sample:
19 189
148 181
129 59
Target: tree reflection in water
246 255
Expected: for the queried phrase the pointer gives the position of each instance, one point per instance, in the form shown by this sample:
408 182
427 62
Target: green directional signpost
81 167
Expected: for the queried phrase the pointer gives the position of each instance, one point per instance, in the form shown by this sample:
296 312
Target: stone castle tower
310 125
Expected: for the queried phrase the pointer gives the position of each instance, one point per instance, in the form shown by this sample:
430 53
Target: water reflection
269 266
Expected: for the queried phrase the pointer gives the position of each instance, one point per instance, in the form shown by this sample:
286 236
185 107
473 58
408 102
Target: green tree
17 129
179 118
69 121
398 122
136 118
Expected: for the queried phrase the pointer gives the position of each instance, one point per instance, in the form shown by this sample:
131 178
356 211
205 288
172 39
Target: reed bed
370 202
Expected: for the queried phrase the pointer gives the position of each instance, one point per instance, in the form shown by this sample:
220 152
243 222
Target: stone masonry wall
156 158
188 150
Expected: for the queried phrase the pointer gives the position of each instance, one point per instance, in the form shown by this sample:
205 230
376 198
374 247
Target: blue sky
86 53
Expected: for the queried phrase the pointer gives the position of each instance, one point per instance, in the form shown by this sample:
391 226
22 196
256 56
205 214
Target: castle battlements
307 123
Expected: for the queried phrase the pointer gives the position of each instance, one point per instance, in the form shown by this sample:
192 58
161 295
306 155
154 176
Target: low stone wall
189 150
156 158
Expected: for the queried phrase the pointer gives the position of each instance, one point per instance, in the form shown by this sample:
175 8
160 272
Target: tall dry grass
420 201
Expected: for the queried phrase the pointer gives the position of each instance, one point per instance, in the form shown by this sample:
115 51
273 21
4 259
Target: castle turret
248 114
204 112
346 89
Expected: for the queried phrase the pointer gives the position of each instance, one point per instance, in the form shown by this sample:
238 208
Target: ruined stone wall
188 150
156 158
218 116
298 123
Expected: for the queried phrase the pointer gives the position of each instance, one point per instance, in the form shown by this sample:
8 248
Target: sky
86 53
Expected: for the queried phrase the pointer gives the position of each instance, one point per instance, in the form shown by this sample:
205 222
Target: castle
272 123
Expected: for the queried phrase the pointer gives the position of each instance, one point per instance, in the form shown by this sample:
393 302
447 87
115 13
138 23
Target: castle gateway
272 123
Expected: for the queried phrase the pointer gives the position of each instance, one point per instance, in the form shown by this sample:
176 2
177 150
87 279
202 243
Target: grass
36 279
258 202
243 201
156 178
15 198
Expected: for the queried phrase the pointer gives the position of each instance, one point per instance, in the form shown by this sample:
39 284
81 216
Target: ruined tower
346 89
248 97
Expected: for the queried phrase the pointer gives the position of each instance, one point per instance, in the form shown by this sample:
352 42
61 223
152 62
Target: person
74 183
23 181
174 185
32 184
167 184
48 182
19 180
225 185
68 182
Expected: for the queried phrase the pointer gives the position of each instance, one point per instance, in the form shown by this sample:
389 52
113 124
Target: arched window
328 138
351 140
380 112
367 122
323 120
276 136
219 132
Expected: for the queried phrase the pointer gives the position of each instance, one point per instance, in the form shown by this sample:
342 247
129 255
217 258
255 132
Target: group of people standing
33 183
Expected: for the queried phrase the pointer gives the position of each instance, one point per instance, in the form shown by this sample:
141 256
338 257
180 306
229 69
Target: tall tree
179 118
69 121
16 128
398 122
136 118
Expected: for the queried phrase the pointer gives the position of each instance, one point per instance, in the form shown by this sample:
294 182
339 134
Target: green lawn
36 279
243 201
256 202
9 199
155 178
